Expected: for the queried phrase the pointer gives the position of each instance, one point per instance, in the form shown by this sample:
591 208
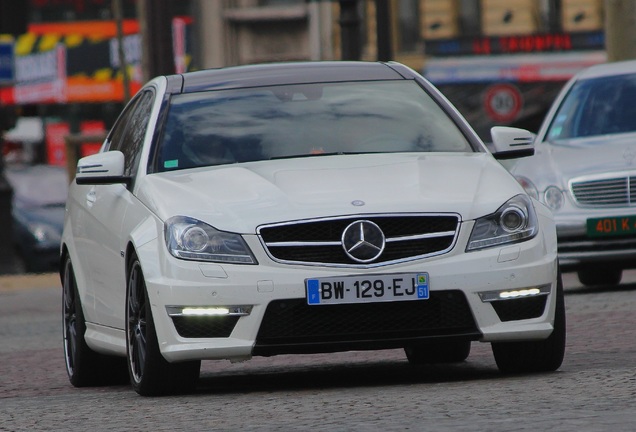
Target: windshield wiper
306 155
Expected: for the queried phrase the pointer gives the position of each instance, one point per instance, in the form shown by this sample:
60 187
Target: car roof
608 69
291 73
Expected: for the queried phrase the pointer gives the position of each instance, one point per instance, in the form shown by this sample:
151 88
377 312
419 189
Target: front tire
150 373
84 366
594 276
536 356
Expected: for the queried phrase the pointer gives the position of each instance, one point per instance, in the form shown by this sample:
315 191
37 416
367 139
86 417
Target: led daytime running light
201 311
204 311
519 293
512 294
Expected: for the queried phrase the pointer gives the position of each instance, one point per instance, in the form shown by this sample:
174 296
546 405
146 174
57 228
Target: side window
129 132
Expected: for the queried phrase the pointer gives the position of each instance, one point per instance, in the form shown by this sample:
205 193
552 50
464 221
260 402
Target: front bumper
280 321
576 249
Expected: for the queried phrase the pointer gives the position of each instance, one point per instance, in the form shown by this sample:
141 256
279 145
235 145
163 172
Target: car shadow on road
367 374
582 290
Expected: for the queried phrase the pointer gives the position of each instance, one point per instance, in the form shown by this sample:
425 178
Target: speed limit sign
503 102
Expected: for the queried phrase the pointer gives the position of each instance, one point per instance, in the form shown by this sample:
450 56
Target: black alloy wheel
73 325
84 366
536 356
150 373
136 322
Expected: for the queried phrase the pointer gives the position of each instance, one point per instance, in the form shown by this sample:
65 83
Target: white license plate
367 288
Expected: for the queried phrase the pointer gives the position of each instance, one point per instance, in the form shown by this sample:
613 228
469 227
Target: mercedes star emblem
363 241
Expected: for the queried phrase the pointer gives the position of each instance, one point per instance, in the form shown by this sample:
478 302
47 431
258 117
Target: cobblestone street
595 389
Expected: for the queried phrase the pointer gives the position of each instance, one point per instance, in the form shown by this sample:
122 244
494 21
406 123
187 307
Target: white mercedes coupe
296 208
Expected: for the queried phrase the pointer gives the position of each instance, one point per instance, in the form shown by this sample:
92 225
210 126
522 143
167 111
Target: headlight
191 239
515 221
44 233
528 186
553 198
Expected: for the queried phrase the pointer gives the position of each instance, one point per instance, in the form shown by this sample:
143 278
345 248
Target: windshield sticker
171 164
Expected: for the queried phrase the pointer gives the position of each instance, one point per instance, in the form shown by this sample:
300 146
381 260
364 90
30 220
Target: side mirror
511 143
102 168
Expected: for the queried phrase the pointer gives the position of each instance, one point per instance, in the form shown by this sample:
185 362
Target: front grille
294 326
613 191
320 241
204 327
520 309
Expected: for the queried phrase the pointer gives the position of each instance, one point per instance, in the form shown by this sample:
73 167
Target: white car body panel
171 281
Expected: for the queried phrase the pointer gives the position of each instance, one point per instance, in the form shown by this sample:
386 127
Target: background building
66 70
499 61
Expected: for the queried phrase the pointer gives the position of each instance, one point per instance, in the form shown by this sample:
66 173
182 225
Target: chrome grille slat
319 241
421 236
304 243
604 191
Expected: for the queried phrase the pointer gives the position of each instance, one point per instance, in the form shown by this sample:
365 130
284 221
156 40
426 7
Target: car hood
557 163
239 198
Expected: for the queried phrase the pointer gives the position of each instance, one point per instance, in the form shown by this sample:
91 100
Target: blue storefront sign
6 62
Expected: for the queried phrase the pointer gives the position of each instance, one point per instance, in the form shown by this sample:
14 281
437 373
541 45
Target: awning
77 62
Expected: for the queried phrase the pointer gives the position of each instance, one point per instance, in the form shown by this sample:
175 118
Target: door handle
91 197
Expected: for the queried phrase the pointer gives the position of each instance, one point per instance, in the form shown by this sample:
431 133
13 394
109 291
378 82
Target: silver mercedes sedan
584 169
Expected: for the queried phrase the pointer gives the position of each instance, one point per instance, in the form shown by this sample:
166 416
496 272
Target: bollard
7 251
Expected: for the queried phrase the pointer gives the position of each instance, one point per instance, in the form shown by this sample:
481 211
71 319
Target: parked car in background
302 208
584 170
39 198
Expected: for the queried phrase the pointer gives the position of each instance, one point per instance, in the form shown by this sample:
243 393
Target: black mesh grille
204 327
520 309
336 255
394 228
293 322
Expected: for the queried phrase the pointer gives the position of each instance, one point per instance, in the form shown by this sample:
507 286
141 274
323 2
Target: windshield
229 126
597 106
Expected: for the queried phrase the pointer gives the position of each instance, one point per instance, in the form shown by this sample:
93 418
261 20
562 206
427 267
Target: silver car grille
320 241
605 191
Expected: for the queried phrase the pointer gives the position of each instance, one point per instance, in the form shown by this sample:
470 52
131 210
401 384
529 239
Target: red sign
503 102
55 145
91 127
522 44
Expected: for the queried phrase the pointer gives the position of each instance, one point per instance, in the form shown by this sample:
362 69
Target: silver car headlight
553 198
528 186
191 239
513 222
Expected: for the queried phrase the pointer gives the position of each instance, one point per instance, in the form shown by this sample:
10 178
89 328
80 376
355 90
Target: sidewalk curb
29 281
